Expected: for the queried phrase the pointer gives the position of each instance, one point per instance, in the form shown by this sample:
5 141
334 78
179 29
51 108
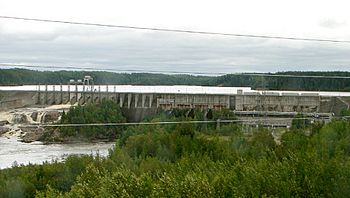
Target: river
12 150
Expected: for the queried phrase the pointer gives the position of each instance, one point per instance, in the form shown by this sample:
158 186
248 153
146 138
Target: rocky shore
22 122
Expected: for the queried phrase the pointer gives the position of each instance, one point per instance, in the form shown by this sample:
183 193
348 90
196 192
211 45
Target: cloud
123 50
332 24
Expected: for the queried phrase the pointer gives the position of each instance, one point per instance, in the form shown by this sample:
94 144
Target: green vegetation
105 112
24 181
23 76
109 112
195 161
300 122
345 112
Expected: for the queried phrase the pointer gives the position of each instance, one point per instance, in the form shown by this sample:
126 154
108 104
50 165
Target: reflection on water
12 150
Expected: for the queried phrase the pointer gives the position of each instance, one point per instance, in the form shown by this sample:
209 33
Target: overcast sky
23 42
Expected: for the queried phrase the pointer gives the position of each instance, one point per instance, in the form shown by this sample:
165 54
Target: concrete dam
140 101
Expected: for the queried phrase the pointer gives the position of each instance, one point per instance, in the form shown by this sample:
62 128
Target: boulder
53 136
19 119
3 122
51 116
32 134
34 116
3 130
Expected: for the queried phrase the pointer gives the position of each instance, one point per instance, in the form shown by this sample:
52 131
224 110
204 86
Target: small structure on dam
142 100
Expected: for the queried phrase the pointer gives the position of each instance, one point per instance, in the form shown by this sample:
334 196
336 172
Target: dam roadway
140 101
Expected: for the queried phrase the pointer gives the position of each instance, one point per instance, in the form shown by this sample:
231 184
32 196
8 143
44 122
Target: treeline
23 76
191 161
290 83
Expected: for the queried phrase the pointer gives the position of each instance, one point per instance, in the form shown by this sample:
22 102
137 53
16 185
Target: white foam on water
12 151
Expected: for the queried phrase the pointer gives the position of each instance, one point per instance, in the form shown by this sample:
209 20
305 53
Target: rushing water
11 150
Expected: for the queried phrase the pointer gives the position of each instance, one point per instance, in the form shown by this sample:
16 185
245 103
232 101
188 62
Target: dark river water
11 151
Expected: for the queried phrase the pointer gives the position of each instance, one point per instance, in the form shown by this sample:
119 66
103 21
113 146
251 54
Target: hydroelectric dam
138 102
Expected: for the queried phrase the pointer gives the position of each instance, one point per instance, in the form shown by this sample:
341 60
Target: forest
105 112
196 160
24 76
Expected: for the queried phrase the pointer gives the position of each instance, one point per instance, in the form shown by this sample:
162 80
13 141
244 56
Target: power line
101 68
176 30
161 123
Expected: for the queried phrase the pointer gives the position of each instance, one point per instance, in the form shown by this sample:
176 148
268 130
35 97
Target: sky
85 47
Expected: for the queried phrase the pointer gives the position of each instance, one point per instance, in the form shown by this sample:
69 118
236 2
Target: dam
143 100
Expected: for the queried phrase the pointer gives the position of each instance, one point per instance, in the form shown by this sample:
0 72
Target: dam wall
17 99
140 101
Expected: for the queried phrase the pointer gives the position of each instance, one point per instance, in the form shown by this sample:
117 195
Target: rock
34 116
51 116
19 119
3 130
32 134
54 136
3 122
